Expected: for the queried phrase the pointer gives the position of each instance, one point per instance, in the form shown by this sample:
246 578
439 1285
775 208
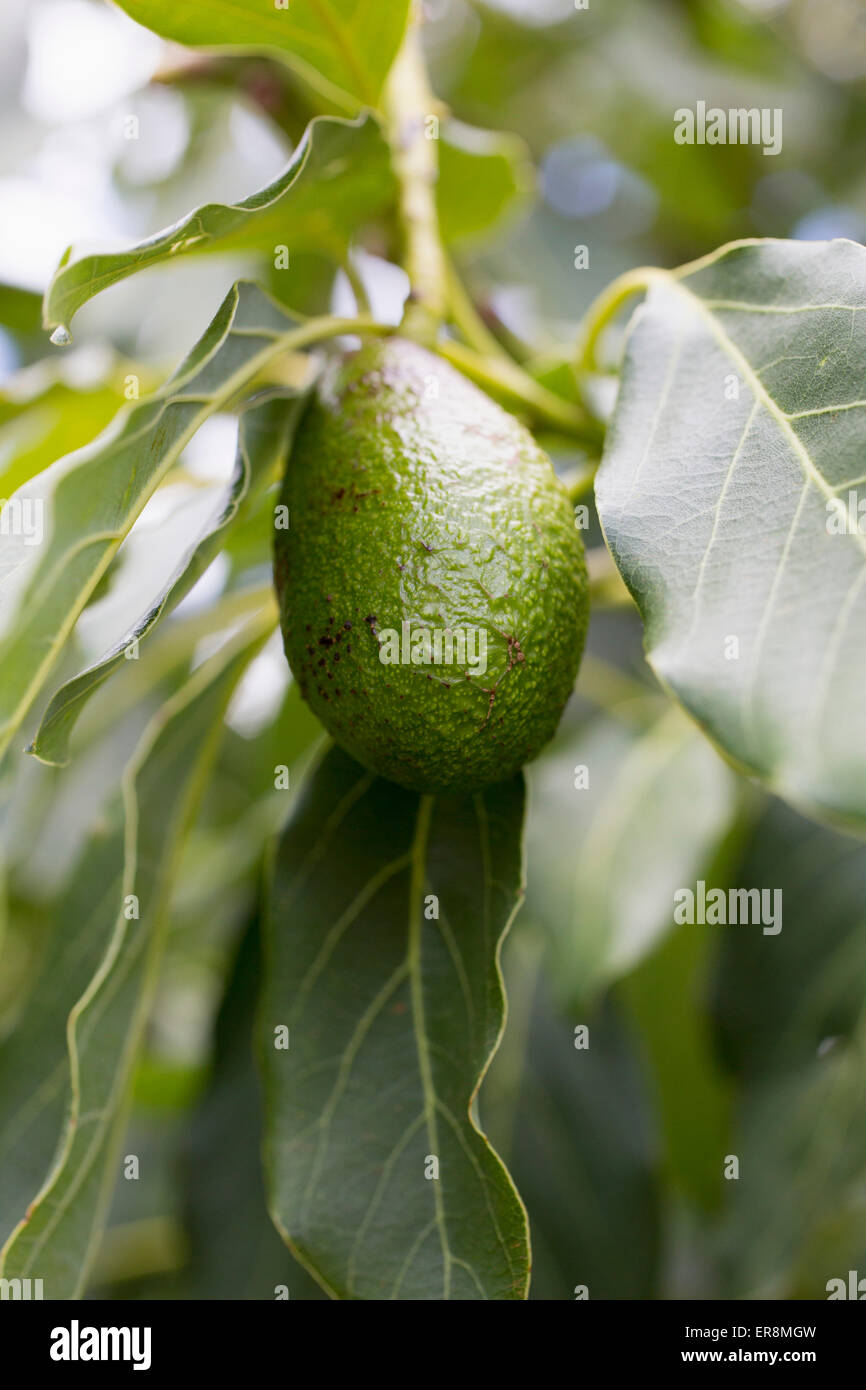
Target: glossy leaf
338 178
264 435
33 433
55 1238
343 48
387 912
736 447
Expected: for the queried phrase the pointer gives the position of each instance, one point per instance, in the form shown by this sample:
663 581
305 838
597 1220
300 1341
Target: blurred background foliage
704 1042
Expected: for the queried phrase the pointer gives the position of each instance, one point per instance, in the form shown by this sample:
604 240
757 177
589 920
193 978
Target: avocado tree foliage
723 476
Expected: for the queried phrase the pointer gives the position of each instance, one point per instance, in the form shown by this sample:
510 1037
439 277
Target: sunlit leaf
343 48
484 175
338 178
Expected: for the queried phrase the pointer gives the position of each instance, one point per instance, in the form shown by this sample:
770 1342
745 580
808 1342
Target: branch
408 103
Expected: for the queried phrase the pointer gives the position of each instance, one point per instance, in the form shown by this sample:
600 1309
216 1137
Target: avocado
432 584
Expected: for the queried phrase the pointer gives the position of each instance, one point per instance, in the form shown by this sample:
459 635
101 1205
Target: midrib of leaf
343 44
417 882
760 391
340 38
812 476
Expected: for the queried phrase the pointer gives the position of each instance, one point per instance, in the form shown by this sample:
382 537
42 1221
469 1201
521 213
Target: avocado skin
414 496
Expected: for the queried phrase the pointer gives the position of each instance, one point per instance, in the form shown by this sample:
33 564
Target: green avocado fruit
432 584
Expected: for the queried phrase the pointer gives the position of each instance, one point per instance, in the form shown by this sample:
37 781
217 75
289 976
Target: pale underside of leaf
741 418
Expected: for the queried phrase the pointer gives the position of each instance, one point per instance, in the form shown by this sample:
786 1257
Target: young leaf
726 497
92 498
35 432
342 48
338 178
55 1238
386 917
264 435
483 176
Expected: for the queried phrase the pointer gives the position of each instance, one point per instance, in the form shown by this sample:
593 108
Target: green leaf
796 1215
92 498
740 422
234 1250
337 179
55 1239
264 436
342 48
666 996
791 1026
777 997
484 176
34 1068
393 1014
605 859
19 310
584 1156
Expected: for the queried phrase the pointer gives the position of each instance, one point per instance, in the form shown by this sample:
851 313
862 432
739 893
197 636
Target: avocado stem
466 318
605 308
505 378
356 285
